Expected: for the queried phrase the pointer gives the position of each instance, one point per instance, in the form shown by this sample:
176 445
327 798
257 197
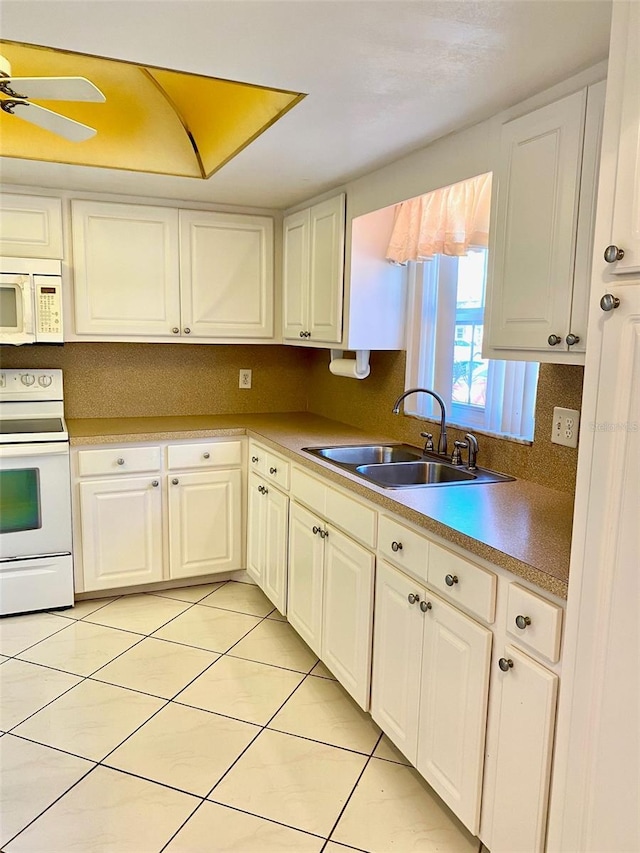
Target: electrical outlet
245 378
565 427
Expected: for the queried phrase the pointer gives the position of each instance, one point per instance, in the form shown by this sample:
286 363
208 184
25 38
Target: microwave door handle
28 302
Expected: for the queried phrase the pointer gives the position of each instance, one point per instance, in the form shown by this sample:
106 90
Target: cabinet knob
324 534
175 330
571 340
254 459
206 455
554 340
120 461
175 481
505 664
613 254
522 622
261 489
302 334
273 470
155 483
609 302
451 579
396 546
425 605
412 598
187 331
315 529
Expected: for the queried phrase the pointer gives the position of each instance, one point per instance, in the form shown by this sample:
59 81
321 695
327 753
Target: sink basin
402 474
401 466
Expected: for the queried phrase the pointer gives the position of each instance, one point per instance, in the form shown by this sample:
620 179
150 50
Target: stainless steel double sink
401 466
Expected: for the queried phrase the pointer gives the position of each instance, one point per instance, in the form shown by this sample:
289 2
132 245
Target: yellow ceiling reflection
154 120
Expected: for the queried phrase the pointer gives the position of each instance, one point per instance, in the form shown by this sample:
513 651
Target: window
444 351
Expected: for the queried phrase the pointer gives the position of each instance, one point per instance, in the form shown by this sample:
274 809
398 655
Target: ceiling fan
46 89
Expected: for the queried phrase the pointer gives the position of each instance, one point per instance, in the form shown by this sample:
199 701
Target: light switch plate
565 426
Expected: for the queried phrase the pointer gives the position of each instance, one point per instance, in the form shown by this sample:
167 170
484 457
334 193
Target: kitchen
213 371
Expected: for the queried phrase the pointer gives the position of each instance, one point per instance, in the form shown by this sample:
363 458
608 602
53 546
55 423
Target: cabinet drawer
463 582
257 458
308 490
277 470
356 519
404 547
541 621
210 454
118 460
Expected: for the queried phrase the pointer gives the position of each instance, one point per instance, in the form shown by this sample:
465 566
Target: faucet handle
428 445
472 443
456 456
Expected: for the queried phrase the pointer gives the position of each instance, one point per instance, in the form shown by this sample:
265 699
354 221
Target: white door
276 528
453 708
204 523
347 621
226 275
397 657
126 269
304 595
326 270
295 275
527 713
256 510
536 218
121 523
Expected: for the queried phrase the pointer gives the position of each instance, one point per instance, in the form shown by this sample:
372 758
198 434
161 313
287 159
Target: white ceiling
383 77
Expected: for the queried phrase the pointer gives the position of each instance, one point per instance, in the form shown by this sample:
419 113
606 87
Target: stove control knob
45 380
28 379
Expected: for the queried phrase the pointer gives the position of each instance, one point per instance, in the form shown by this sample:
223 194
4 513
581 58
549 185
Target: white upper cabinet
31 226
226 272
541 241
126 269
313 273
144 272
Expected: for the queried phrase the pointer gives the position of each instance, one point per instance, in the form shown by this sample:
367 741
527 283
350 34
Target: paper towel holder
356 368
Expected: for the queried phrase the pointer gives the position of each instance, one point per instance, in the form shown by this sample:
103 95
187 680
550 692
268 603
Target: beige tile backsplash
105 380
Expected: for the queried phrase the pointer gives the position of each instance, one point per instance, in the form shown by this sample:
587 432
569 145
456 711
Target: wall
367 404
104 380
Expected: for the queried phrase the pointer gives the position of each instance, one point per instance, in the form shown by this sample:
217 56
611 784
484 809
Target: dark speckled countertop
520 526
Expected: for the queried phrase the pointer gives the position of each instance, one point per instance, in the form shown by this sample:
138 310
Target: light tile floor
194 720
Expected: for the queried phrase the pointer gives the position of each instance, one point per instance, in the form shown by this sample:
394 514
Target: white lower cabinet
267 528
518 799
430 687
330 598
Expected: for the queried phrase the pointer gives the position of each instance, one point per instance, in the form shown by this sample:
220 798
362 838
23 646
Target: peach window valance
448 221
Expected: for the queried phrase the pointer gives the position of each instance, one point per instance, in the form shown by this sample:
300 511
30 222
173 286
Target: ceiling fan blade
72 130
56 88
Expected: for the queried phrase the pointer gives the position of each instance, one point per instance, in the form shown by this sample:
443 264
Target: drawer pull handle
425 605
175 481
396 546
206 455
413 598
273 470
155 483
120 461
451 579
254 459
505 664
522 622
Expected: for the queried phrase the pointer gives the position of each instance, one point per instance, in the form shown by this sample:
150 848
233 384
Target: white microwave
30 301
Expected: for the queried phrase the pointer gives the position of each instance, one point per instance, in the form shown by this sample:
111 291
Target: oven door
17 324
35 500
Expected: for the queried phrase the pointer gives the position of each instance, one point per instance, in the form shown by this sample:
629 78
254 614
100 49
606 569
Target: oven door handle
14 451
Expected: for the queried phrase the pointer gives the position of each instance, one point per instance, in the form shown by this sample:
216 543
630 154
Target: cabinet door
347 620
453 708
295 275
527 704
126 270
326 270
535 231
304 595
30 226
276 527
121 523
226 275
256 512
204 523
397 655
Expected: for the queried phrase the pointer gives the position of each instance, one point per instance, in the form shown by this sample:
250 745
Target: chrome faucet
472 444
442 441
